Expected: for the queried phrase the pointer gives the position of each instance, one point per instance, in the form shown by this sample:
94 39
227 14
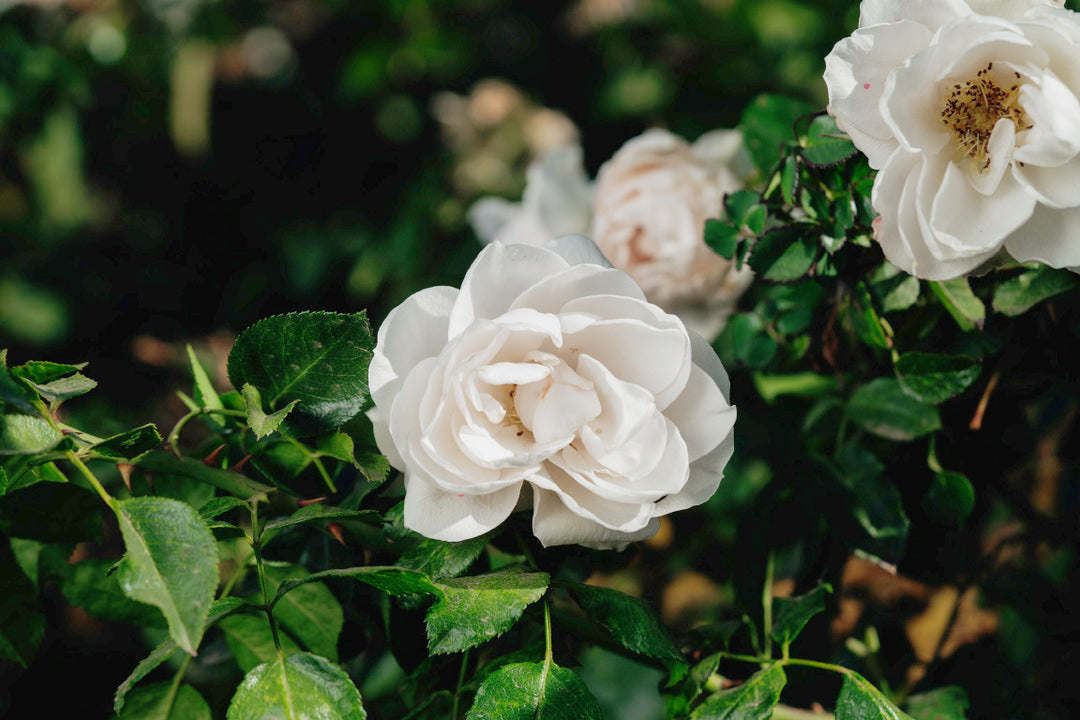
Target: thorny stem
92 479
256 547
460 683
174 434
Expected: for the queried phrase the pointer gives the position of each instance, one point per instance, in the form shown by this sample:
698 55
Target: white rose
970 112
648 217
547 370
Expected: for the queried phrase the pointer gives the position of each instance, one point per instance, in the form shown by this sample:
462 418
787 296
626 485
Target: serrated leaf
262 424
859 700
251 641
391 580
26 435
161 702
946 703
876 505
42 371
793 613
826 144
230 482
22 622
1017 295
219 506
748 339
16 392
475 609
956 296
316 512
320 359
310 612
533 691
205 394
221 609
64 389
632 623
337 445
882 407
950 499
88 585
297 687
933 378
171 562
51 512
130 444
722 237
439 559
767 124
894 289
784 254
755 699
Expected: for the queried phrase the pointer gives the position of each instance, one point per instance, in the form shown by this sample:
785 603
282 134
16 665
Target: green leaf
130 445
320 359
64 389
876 505
16 392
1019 294
755 699
160 702
865 320
955 295
793 613
297 687
391 580
88 585
893 288
339 446
44 372
784 254
219 506
826 144
722 237
205 394
220 610
51 512
533 691
946 703
310 612
806 384
475 609
22 623
632 624
859 700
252 642
261 423
316 512
439 559
882 407
767 124
950 499
749 341
935 378
232 483
171 562
26 435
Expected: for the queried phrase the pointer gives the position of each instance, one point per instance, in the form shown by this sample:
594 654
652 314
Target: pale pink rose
547 380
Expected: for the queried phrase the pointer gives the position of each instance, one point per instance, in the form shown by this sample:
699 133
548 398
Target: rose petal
453 517
971 225
931 13
554 524
551 294
1054 111
705 476
1050 236
701 413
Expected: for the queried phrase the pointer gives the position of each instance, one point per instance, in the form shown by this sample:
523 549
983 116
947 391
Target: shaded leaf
793 613
26 435
171 562
219 506
64 389
475 609
826 144
22 622
160 702
882 407
784 254
950 499
261 423
205 394
859 700
16 392
130 444
310 612
297 687
955 295
230 482
318 358
51 512
89 585
391 580
755 699
935 378
251 641
1017 295
438 559
533 691
893 288
316 512
875 505
767 124
946 703
865 319
631 622
44 372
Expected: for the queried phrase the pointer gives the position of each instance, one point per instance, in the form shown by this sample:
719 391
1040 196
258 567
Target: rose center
972 109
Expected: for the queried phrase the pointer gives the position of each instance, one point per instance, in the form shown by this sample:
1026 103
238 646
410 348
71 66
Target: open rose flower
970 112
647 214
547 375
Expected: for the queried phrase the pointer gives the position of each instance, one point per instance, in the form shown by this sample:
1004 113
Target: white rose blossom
970 113
647 214
547 372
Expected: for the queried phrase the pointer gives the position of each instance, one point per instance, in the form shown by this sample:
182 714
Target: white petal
703 355
968 224
555 524
931 13
414 330
496 278
1054 112
1057 187
725 148
911 108
999 150
622 517
1051 236
489 216
705 476
625 406
453 517
558 406
557 192
578 250
383 439
553 293
1009 9
855 73
702 414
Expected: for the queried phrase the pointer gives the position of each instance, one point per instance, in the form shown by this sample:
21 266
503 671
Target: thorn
240 465
338 532
210 460
305 503
125 473
977 418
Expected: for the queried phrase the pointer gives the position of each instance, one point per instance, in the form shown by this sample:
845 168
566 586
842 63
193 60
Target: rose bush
970 112
646 212
547 369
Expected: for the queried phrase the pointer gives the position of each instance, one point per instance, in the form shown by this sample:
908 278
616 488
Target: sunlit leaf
297 687
533 691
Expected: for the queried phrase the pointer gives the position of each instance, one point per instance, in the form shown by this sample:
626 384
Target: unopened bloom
646 212
970 111
548 374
